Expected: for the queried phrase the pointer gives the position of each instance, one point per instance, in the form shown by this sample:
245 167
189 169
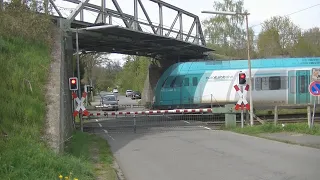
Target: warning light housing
242 78
73 83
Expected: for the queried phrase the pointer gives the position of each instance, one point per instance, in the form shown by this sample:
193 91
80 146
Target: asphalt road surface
184 153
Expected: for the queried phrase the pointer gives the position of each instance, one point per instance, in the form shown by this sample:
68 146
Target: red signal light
242 78
73 85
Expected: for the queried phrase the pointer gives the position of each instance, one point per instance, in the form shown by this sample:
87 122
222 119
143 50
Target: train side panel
218 87
204 84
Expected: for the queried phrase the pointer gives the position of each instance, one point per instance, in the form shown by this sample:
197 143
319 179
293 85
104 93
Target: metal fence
158 122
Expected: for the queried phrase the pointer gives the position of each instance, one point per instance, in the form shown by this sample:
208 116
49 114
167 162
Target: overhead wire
291 13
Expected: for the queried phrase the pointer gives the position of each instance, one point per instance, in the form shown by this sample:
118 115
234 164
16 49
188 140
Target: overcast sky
260 10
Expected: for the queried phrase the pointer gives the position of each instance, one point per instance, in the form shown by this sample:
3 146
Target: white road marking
108 134
97 120
100 125
186 122
205 127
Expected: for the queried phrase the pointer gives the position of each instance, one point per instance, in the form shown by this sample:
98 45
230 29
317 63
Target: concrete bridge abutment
155 71
59 119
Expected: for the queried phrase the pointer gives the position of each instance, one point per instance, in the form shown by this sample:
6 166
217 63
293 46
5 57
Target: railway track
282 119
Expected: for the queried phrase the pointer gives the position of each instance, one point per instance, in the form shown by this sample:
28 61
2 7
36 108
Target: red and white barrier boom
80 104
152 112
243 95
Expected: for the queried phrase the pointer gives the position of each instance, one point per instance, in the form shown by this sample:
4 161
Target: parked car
129 93
115 90
109 102
136 95
104 93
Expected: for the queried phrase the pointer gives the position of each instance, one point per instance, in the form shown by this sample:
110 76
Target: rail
226 115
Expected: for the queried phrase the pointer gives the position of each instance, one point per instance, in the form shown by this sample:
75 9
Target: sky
259 11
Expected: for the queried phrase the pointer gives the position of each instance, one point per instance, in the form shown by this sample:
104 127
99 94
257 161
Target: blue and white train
200 84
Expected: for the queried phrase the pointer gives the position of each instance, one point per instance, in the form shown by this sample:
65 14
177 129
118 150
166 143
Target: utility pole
249 67
249 59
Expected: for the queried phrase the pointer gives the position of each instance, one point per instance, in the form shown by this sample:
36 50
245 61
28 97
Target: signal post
242 92
74 85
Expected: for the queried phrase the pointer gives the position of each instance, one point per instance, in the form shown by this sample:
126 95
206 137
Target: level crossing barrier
186 119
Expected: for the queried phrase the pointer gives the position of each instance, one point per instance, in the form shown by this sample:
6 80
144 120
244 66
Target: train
209 83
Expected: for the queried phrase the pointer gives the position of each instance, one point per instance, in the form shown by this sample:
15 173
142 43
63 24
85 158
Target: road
123 100
198 153
181 150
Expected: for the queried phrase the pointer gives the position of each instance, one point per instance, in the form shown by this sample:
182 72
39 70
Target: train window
265 83
168 81
186 82
271 83
173 82
194 81
177 81
164 82
292 84
257 83
274 82
303 88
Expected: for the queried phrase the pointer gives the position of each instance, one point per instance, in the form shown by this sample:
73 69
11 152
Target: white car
129 93
115 90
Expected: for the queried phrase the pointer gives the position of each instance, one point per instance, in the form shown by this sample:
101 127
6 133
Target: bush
17 20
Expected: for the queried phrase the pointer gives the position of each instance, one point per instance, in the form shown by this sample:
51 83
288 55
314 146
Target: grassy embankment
24 63
262 130
270 128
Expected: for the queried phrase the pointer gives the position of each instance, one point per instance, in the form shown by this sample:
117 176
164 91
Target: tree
134 73
105 76
287 30
269 43
308 43
90 60
226 34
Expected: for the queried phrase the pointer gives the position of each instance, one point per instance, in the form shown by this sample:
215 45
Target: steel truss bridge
103 35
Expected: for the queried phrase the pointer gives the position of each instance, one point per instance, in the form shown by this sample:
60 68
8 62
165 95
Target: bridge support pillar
156 69
60 110
153 74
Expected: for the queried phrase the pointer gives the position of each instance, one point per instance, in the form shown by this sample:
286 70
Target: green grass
23 153
270 128
82 146
283 111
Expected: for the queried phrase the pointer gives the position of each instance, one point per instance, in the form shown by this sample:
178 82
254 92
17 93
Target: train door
292 87
166 91
302 83
176 93
185 93
194 98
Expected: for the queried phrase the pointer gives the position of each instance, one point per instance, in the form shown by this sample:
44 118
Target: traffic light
91 89
242 78
73 83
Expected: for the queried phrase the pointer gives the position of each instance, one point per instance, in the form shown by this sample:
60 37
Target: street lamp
248 44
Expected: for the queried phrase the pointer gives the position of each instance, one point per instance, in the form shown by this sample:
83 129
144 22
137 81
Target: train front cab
298 87
178 91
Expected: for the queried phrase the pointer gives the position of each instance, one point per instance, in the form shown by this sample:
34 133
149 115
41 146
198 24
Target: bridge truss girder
132 21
